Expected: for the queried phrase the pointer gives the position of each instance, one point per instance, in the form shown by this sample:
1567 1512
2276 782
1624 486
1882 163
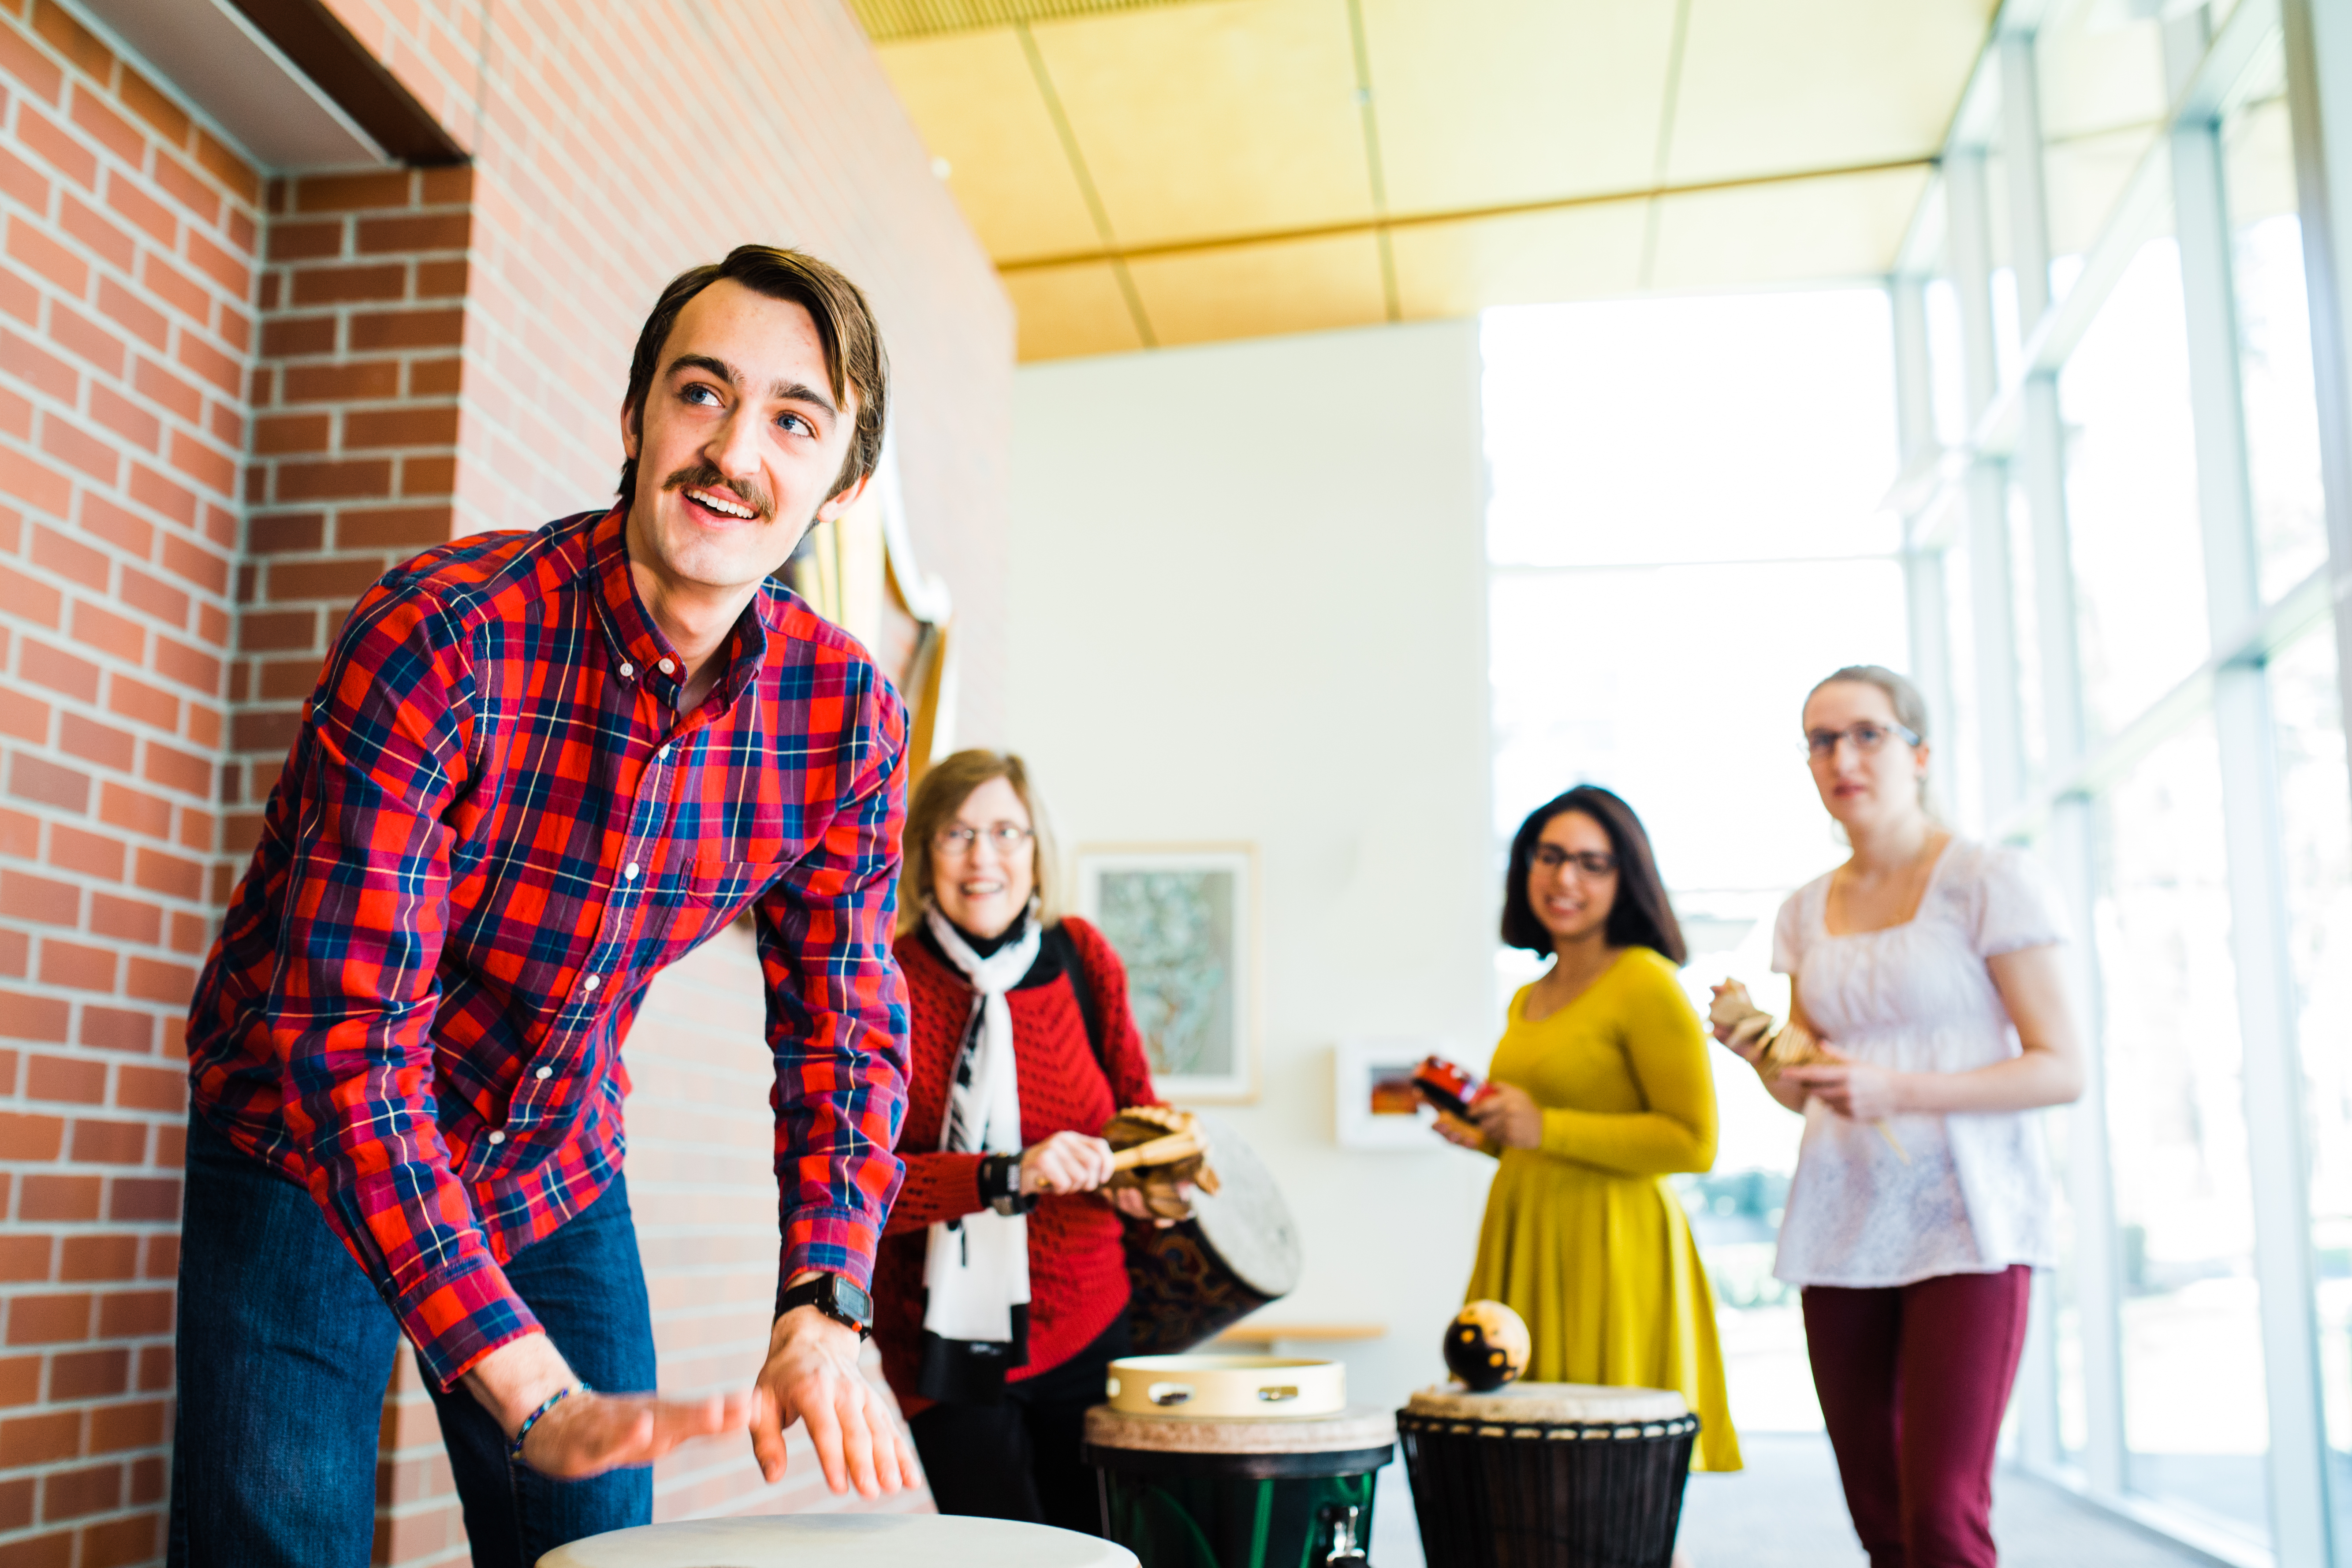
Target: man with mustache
537 768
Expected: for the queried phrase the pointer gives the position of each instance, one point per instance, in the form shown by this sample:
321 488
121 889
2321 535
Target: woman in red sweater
1001 1292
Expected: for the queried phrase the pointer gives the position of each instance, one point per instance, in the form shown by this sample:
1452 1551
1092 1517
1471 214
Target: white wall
1249 602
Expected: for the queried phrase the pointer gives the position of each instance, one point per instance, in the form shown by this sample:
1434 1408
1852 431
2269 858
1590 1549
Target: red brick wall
126 313
354 450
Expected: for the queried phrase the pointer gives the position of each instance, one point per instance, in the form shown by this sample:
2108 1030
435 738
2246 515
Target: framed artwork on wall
1374 1104
1183 918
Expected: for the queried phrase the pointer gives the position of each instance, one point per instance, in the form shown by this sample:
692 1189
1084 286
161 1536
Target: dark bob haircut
1641 917
853 360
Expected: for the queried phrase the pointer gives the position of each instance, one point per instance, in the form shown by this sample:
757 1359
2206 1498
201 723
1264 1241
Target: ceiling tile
1486 103
1253 291
1218 118
1798 231
1065 311
974 100
1818 84
1575 253
2098 73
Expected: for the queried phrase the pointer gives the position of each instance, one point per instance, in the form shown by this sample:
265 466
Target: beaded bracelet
514 1449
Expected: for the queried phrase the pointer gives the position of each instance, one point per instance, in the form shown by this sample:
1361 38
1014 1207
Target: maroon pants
1913 1381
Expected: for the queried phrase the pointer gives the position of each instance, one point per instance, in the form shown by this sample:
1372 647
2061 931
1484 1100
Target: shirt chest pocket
710 893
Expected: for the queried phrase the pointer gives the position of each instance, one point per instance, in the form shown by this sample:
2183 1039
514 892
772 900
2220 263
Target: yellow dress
1582 1236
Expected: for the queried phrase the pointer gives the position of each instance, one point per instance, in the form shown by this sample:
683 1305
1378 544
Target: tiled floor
1785 1511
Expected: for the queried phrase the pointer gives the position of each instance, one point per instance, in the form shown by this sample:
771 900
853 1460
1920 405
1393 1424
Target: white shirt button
627 670
629 871
497 1138
667 667
662 754
591 984
544 1074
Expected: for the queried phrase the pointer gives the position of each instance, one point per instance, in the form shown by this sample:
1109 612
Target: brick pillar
126 286
355 453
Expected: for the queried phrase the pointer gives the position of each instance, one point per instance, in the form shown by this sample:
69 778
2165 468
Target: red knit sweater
1078 1254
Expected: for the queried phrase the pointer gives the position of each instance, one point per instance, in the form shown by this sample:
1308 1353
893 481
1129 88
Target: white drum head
1550 1402
1247 1222
841 1541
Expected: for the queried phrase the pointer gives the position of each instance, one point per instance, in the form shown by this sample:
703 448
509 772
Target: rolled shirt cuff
457 1316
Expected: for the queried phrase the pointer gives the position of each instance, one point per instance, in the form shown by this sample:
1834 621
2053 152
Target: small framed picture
1183 918
1375 1105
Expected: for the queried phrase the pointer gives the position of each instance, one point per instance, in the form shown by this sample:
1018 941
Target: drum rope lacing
1554 1431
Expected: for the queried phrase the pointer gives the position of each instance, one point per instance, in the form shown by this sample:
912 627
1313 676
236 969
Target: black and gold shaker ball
1486 1345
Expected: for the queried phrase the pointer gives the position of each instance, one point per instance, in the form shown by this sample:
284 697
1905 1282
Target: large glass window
2131 495
2273 311
2195 1419
2316 799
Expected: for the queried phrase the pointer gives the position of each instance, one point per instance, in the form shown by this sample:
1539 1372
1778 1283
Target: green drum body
1292 1492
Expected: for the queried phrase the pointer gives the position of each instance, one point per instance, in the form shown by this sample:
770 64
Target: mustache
705 476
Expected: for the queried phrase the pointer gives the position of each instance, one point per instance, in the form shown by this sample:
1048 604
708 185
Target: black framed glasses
956 842
1592 862
1866 738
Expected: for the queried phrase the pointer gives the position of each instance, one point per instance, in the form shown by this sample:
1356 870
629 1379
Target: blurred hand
1507 1114
812 1377
1851 1089
587 1434
1131 1202
1066 1163
1736 1022
1460 1133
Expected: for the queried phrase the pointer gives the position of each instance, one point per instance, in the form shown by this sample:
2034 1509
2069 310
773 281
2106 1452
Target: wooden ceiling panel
1210 119
977 105
1487 103
1575 253
1065 311
1797 231
1818 84
1256 290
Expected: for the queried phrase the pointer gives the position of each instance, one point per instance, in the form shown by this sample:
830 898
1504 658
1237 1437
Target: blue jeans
284 1352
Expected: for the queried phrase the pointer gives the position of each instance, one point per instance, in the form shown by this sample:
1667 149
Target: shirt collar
638 648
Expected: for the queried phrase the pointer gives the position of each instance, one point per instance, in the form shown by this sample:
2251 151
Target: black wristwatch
836 1297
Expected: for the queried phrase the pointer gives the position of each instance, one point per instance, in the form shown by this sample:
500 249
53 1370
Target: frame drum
1200 1276
1548 1474
841 1541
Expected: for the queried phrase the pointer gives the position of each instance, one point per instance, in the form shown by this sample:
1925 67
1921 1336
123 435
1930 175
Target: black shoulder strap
1089 1007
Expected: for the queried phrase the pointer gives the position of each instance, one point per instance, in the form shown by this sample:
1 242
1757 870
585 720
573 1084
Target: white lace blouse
1975 1196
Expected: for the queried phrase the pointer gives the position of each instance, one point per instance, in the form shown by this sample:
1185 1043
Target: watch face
856 1302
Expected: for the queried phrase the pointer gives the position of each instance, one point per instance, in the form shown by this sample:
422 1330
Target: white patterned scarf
976 1268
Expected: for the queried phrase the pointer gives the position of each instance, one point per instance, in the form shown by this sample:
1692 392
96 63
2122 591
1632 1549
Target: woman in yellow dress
1601 1088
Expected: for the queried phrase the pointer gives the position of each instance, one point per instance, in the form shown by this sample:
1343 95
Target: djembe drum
1275 1471
841 1541
1548 1474
1238 1251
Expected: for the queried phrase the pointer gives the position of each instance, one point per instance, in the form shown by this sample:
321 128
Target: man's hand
1131 1202
812 1377
587 1433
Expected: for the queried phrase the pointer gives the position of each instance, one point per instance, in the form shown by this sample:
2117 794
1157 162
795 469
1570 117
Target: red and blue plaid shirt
493 830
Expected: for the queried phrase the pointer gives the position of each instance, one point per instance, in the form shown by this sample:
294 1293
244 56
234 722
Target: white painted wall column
2040 465
2270 1064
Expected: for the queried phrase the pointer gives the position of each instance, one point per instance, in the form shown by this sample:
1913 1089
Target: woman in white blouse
1928 966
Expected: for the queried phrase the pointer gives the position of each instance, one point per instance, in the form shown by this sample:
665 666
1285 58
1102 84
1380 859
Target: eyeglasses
957 842
1866 738
1592 862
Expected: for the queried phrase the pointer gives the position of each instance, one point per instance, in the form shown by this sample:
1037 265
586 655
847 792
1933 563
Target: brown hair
1640 916
853 358
944 788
